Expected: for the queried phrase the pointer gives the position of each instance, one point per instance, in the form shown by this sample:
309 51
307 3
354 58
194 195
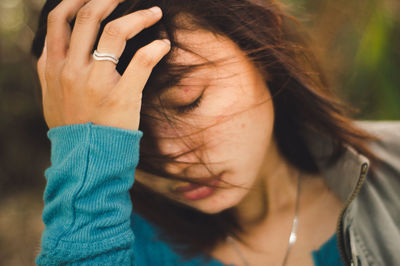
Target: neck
274 191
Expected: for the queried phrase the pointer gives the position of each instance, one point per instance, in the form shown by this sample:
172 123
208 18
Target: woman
245 156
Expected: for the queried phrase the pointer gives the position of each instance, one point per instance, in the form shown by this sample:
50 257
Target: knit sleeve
87 206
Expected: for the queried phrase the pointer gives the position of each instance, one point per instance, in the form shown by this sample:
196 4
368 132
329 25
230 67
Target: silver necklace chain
293 233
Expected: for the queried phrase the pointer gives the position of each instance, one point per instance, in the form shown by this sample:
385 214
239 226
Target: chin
210 209
218 202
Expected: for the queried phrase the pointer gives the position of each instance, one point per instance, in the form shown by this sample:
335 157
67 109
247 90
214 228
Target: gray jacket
368 228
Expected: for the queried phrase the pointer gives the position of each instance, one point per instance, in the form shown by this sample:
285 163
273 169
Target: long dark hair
302 100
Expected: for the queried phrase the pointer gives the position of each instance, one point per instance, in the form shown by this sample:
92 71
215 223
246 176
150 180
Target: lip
187 188
198 191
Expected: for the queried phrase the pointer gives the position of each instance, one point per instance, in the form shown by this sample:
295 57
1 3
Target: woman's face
236 114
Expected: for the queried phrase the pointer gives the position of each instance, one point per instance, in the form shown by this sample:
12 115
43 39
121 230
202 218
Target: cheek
242 143
249 131
162 129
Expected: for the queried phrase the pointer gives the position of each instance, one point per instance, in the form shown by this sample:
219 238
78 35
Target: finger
86 28
142 64
117 32
41 66
58 29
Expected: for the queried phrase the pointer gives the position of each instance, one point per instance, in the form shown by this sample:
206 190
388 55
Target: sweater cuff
65 139
87 201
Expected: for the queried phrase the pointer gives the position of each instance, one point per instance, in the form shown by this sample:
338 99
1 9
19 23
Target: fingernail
167 41
156 10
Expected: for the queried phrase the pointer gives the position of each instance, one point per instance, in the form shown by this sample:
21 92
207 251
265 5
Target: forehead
204 43
205 47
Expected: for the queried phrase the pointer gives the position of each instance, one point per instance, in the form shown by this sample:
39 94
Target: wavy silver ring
105 57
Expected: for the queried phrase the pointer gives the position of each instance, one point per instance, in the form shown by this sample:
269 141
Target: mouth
192 191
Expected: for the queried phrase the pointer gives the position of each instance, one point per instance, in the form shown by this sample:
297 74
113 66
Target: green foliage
377 66
360 43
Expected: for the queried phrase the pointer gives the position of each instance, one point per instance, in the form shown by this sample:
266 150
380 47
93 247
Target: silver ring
105 57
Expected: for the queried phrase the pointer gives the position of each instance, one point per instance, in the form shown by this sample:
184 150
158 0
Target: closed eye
190 107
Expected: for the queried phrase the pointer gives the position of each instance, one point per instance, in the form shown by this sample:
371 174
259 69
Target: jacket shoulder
376 210
387 148
390 129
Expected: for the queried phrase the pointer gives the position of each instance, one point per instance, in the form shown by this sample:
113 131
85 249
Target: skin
236 108
78 89
237 111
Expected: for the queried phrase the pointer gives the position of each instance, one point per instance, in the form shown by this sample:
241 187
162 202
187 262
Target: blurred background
358 42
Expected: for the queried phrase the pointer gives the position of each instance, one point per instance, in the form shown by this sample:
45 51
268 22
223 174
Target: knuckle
53 16
50 72
113 29
68 75
144 58
86 14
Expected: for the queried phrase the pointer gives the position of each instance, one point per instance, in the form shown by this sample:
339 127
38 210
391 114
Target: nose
184 155
178 141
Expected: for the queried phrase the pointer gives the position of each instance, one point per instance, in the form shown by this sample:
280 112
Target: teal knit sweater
88 210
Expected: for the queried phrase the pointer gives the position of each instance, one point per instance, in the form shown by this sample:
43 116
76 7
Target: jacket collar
344 175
